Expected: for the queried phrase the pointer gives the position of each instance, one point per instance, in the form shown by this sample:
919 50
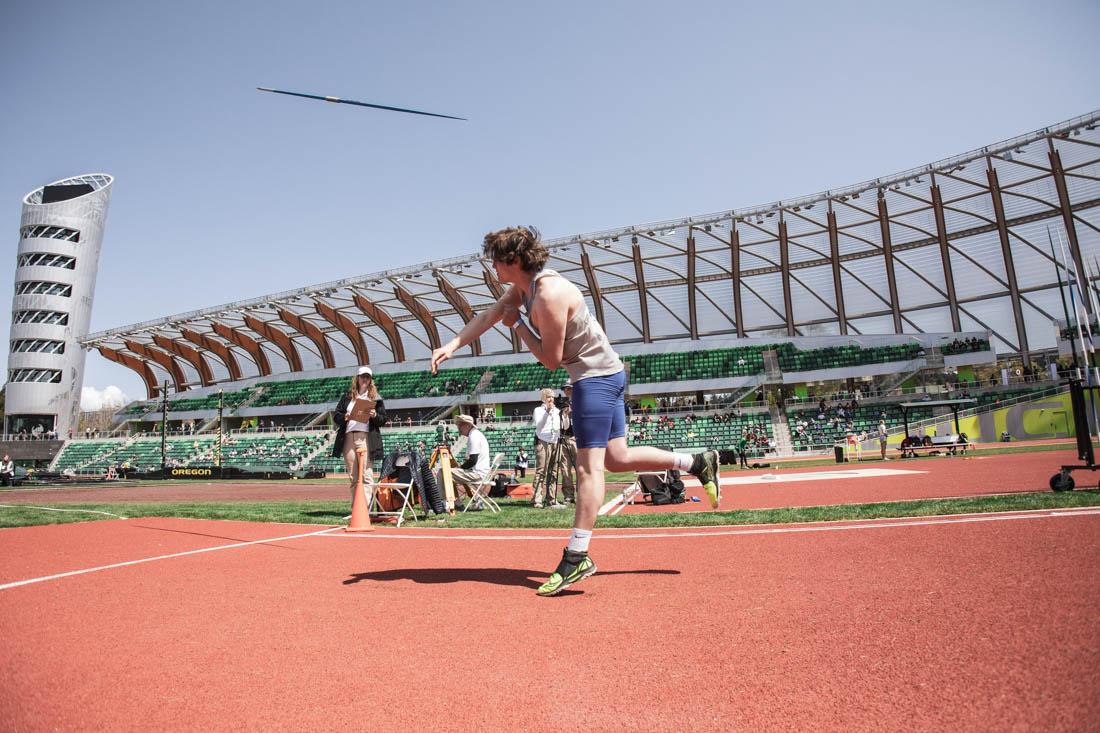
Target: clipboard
360 409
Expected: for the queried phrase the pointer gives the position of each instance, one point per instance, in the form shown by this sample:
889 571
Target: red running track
945 623
935 477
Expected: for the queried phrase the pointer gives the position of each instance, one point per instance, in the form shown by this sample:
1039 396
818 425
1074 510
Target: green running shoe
567 574
706 470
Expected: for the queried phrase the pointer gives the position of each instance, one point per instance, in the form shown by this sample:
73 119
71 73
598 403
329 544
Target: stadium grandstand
938 281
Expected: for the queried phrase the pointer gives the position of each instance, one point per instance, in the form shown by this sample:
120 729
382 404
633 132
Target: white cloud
92 399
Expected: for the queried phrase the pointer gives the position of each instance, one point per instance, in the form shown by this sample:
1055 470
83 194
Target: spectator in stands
7 471
354 434
547 420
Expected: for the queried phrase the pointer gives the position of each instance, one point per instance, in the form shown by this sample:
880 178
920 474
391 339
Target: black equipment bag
500 487
676 487
662 492
432 498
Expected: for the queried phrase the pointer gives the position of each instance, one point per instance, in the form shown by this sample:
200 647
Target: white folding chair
481 491
403 490
631 493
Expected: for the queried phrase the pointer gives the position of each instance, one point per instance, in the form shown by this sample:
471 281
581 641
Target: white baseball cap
364 370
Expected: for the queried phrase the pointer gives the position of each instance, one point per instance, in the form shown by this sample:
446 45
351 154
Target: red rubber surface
945 626
938 477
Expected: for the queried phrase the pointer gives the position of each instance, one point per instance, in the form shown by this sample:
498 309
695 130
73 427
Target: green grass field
520 514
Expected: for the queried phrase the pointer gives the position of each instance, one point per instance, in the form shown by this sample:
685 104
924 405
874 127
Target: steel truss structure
957 245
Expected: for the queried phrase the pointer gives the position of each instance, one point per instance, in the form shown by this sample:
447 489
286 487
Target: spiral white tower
60 235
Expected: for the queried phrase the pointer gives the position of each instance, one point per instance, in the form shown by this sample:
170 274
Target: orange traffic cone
360 512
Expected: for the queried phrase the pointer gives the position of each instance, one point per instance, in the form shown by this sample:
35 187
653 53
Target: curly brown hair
517 244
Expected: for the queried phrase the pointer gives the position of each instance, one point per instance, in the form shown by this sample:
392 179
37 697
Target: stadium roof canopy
957 245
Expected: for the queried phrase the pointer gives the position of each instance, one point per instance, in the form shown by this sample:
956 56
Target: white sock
578 541
683 461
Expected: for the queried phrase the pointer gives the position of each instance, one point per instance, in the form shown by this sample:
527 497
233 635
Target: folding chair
633 492
404 491
481 491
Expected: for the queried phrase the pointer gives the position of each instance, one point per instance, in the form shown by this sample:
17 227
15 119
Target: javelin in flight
337 100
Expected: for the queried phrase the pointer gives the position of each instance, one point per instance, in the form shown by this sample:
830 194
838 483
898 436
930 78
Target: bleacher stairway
322 447
781 431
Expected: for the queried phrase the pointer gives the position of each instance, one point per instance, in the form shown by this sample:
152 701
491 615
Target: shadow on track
496 576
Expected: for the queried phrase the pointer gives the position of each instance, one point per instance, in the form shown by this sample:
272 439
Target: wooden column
834 260
693 319
1067 219
888 257
639 281
1010 267
785 271
945 257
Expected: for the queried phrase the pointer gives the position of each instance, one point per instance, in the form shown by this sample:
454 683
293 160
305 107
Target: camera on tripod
442 435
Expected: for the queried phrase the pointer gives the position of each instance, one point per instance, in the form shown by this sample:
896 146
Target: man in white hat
475 468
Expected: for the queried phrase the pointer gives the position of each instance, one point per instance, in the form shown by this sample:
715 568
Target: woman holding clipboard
359 415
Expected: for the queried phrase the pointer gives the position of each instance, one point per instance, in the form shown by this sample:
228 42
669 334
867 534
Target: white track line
779 478
865 524
51 509
44 578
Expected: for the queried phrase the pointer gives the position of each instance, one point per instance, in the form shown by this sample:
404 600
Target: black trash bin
838 451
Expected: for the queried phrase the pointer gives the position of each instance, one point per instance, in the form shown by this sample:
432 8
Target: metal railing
931 389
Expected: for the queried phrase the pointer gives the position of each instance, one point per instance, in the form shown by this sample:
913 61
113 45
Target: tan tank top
587 352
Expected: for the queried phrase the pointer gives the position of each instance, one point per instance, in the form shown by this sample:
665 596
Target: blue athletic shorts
599 414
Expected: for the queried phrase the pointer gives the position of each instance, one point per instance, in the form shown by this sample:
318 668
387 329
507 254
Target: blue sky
582 116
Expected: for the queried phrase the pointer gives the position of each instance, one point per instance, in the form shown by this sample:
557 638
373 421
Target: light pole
164 430
218 453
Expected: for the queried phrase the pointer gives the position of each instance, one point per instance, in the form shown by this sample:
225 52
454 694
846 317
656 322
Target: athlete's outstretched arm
478 325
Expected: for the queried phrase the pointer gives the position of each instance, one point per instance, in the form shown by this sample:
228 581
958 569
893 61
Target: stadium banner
192 473
214 473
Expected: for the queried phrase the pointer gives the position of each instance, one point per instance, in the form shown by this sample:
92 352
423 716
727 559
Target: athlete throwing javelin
560 331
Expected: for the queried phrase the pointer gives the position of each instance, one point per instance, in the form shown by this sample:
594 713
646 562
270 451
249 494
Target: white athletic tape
112 566
51 509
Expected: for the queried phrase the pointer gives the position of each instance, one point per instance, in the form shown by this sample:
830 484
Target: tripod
446 460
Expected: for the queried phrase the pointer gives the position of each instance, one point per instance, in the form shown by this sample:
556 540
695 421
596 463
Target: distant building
60 235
